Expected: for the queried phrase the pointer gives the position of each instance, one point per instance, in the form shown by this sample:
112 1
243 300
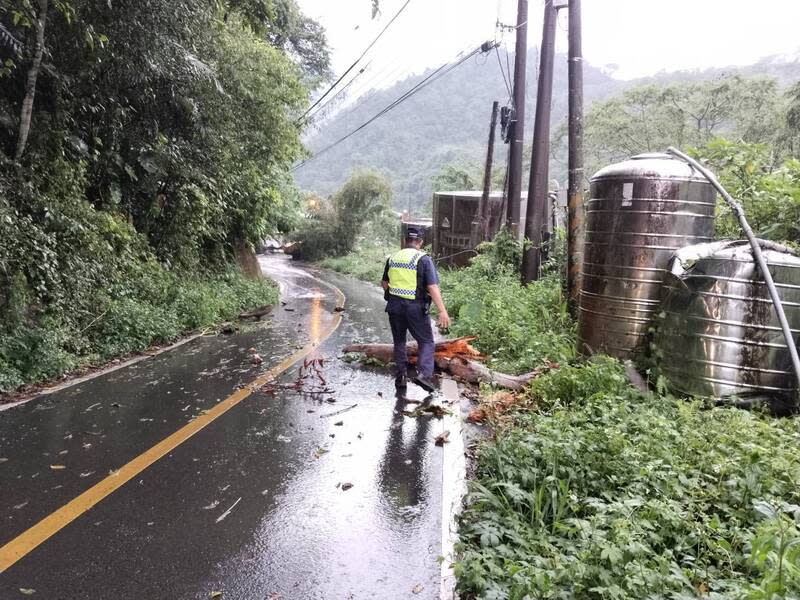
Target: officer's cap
414 233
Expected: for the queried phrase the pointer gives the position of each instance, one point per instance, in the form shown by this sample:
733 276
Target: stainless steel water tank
718 334
639 212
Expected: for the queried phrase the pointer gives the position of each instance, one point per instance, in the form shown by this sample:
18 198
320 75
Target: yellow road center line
25 542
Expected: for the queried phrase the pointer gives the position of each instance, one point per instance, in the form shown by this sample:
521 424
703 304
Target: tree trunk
454 356
30 84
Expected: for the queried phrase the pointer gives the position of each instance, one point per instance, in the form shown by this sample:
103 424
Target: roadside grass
364 263
157 310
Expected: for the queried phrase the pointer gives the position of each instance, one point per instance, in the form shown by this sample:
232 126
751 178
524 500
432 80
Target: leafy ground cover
596 491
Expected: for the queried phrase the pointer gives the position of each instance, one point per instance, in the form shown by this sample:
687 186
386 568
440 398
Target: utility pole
480 227
575 208
518 120
538 185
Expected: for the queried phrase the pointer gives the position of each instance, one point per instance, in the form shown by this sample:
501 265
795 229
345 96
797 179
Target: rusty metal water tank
718 334
423 225
639 212
453 214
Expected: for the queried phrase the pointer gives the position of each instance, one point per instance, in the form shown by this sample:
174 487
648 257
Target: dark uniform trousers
410 316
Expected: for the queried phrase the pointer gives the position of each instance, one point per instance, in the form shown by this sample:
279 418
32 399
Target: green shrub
519 327
132 326
365 263
34 353
335 227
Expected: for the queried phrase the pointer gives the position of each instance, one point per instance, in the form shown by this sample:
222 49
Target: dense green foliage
599 492
518 327
768 193
335 225
155 309
653 117
160 140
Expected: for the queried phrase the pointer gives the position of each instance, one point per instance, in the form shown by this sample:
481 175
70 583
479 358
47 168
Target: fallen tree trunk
456 357
472 371
448 348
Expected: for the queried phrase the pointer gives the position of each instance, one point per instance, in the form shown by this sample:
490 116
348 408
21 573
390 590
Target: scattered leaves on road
338 423
319 452
476 415
346 486
216 594
227 512
442 438
417 588
211 506
57 467
27 591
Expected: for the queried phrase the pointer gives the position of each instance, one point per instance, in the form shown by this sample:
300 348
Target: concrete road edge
454 485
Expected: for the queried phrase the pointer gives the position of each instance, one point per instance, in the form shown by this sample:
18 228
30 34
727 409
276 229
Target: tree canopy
140 143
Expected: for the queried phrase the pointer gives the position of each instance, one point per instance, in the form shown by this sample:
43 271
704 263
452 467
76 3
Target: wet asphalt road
252 505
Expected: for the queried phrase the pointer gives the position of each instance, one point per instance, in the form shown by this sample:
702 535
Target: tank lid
649 155
651 165
733 251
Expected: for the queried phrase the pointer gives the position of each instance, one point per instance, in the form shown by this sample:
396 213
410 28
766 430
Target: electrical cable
502 72
337 94
433 76
352 66
394 71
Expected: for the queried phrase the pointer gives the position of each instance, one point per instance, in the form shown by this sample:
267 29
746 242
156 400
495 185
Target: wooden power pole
481 224
575 207
538 185
517 120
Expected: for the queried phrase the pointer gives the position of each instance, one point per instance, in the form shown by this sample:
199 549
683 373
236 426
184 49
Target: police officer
410 282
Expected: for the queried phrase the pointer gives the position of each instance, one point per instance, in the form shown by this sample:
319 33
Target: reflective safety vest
403 273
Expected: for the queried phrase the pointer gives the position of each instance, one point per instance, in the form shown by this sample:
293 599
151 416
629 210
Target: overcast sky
640 37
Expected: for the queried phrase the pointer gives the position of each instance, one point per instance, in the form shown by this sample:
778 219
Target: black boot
425 383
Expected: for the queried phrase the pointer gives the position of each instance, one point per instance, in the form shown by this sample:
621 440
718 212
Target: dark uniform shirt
426 275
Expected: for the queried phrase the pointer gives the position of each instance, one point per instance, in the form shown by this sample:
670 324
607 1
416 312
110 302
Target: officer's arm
444 319
385 278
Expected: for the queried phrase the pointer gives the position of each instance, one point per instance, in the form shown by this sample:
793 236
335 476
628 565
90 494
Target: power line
343 89
352 66
374 80
436 74
502 72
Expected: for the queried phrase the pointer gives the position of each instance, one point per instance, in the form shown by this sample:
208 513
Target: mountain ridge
448 121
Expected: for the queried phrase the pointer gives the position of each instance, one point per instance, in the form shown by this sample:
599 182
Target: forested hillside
143 147
447 122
